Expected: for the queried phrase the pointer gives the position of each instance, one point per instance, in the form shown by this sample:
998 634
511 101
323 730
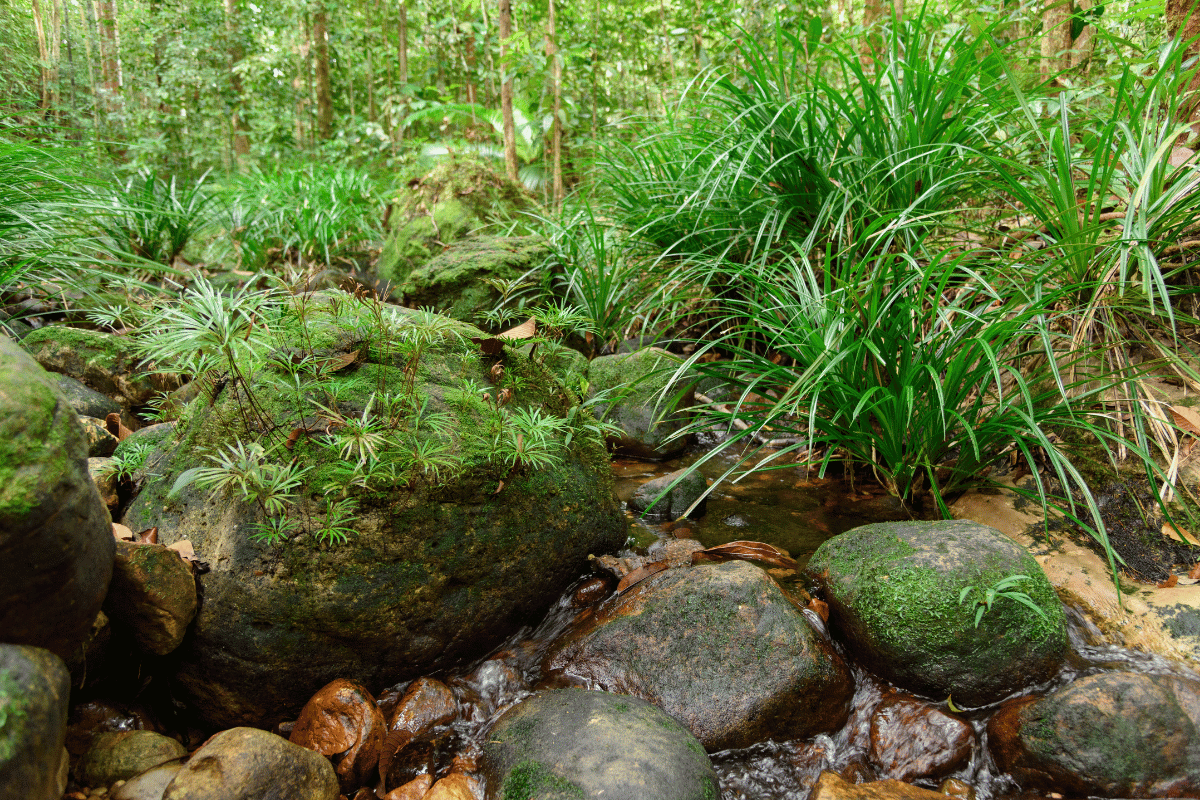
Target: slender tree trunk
87 44
402 65
506 92
556 80
302 83
489 85
1183 21
39 28
110 62
56 25
322 87
469 66
237 120
1083 47
596 67
1056 38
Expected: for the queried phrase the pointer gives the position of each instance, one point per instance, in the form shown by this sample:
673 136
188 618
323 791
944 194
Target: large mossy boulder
718 647
456 281
639 393
463 518
105 362
894 592
570 743
56 543
1116 734
458 197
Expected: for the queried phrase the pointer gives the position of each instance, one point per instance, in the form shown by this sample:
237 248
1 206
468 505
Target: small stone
248 762
453 787
150 785
688 488
911 739
122 755
960 789
100 442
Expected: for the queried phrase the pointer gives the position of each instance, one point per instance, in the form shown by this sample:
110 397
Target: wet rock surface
719 648
342 722
119 756
56 545
247 762
572 743
830 786
671 507
104 362
894 591
86 401
911 739
34 691
1116 734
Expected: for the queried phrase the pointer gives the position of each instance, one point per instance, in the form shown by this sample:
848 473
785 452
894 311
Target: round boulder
247 762
719 648
1117 734
571 743
422 543
120 755
642 400
56 543
894 590
34 691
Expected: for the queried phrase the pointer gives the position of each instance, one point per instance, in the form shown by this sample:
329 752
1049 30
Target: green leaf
183 481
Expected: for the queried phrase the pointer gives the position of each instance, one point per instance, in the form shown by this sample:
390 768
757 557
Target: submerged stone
894 591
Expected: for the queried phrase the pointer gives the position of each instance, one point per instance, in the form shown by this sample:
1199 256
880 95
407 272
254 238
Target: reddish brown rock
830 786
342 722
1115 734
911 739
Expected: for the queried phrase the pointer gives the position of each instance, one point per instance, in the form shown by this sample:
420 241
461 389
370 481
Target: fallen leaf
1169 582
1187 419
525 330
640 574
122 533
1194 573
341 361
148 536
185 550
499 487
747 551
1179 534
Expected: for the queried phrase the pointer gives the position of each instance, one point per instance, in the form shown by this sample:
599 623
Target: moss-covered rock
56 544
894 590
719 648
153 596
104 362
455 282
642 399
34 693
570 744
458 197
1118 734
119 755
454 539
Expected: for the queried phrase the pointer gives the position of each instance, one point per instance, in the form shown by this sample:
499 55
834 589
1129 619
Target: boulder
343 723
56 544
149 785
153 595
642 400
571 743
34 693
719 648
105 362
100 442
911 739
894 591
86 401
456 198
455 282
689 488
120 755
453 536
247 762
1116 734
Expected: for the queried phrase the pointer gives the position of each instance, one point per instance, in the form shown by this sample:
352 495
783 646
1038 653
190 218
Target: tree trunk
322 87
39 28
556 83
1183 22
1056 38
110 61
1083 47
506 92
237 119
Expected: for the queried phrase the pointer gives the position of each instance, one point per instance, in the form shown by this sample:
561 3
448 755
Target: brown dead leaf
185 550
1179 534
746 551
122 533
148 536
1194 572
1187 419
1169 583
343 719
640 574
525 330
341 361
499 487
496 372
117 428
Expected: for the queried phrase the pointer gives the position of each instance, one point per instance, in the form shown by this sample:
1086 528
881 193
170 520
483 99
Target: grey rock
690 487
251 764
153 595
716 646
86 401
105 362
642 399
567 744
100 442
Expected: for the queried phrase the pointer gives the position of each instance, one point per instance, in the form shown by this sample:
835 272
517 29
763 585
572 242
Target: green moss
530 779
12 708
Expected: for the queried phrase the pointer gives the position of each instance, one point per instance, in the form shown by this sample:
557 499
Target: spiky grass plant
34 188
150 219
